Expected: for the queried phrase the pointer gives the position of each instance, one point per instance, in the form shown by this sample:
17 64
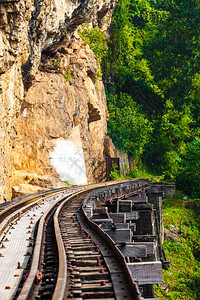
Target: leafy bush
184 275
188 178
114 174
96 39
128 126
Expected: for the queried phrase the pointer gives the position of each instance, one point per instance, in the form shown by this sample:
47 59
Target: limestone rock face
29 27
62 104
48 87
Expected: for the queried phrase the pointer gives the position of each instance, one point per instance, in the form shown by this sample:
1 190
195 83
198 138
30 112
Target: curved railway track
21 234
93 270
71 254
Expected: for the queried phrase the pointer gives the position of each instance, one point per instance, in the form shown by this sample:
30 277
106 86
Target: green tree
193 99
128 126
188 178
151 67
173 130
174 47
153 57
125 63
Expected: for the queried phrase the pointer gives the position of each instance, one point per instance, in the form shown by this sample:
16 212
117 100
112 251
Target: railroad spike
101 270
98 262
19 265
103 283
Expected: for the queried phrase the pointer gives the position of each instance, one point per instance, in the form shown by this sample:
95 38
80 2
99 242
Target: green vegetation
57 62
96 39
69 184
188 178
68 75
151 70
183 277
114 174
139 172
129 128
152 74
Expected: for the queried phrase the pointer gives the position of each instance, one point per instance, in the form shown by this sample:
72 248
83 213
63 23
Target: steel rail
29 283
59 292
132 284
21 207
25 200
28 287
8 220
31 201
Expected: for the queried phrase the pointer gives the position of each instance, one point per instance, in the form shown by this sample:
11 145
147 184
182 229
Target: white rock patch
69 162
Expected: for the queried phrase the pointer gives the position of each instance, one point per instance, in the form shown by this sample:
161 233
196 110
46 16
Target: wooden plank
104 223
146 272
132 216
142 206
88 211
139 199
125 205
117 217
144 238
101 216
149 245
133 251
144 223
148 299
120 235
132 226
122 225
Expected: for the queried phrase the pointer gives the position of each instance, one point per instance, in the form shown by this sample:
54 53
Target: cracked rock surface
43 101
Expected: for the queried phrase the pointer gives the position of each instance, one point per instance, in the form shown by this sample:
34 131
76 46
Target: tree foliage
152 71
168 142
96 39
129 127
188 178
151 68
173 49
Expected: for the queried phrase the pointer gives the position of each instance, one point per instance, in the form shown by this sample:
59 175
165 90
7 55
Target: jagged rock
174 229
164 287
25 183
23 189
172 234
109 148
56 109
45 105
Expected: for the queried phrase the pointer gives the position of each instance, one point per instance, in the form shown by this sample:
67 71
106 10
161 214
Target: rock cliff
52 101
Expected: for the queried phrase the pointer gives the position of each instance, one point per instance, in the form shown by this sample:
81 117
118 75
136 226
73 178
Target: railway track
93 270
21 231
70 254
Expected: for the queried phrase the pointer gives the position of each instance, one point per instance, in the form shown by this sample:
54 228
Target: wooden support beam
146 272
